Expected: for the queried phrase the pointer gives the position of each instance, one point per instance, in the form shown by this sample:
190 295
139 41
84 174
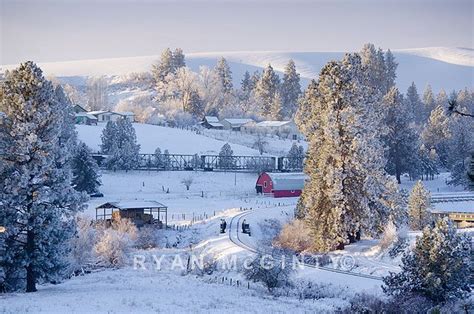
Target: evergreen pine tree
347 192
226 159
37 200
437 268
295 157
401 139
266 88
290 90
158 158
86 176
428 103
276 110
178 59
165 66
225 75
414 104
391 70
246 87
194 104
119 142
418 207
436 134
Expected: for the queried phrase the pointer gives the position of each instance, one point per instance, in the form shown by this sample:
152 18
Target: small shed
280 184
212 122
139 212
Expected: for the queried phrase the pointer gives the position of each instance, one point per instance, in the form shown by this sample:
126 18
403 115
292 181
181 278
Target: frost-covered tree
226 157
119 142
246 87
166 159
266 89
401 139
158 158
414 104
290 90
194 104
164 67
437 133
38 201
97 94
428 103
178 59
225 75
260 144
86 176
437 268
296 156
418 207
427 164
442 99
348 191
460 147
373 61
390 70
276 109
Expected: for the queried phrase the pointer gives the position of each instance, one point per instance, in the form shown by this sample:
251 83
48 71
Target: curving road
235 237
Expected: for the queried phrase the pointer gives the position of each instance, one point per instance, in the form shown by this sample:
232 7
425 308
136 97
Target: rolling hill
447 68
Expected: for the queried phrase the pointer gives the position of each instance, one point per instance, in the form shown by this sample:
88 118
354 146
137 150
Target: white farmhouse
285 129
106 115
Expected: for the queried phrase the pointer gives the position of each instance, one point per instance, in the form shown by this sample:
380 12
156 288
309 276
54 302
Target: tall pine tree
266 88
37 199
290 90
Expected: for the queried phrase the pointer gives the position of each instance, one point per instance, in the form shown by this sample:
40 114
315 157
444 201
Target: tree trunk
398 178
30 274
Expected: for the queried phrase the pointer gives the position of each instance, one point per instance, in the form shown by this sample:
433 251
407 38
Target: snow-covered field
176 141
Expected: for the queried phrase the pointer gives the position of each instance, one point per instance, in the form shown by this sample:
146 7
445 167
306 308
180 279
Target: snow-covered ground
275 146
177 141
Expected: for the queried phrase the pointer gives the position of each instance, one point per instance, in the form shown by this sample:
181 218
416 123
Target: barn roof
124 205
273 123
288 181
238 121
86 114
211 119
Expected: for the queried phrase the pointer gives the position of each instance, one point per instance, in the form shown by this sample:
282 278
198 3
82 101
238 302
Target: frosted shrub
187 182
268 269
82 245
389 236
114 243
147 238
295 236
270 229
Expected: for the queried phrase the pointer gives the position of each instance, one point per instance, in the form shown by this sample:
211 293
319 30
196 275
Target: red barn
280 184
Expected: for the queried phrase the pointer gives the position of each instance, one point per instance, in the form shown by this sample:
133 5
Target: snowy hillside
177 141
448 68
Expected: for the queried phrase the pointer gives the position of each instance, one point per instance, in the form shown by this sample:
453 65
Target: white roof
98 112
453 207
238 121
212 119
288 181
133 204
85 114
273 123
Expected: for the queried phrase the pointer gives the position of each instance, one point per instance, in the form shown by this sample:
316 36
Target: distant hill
448 68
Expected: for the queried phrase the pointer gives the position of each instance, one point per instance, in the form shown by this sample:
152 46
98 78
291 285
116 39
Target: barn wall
264 177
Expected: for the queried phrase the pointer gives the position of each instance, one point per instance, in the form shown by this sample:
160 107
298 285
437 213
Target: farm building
285 129
139 212
106 115
85 118
234 124
280 184
79 109
459 207
211 122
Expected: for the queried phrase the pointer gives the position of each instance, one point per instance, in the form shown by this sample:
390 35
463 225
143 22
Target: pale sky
51 30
